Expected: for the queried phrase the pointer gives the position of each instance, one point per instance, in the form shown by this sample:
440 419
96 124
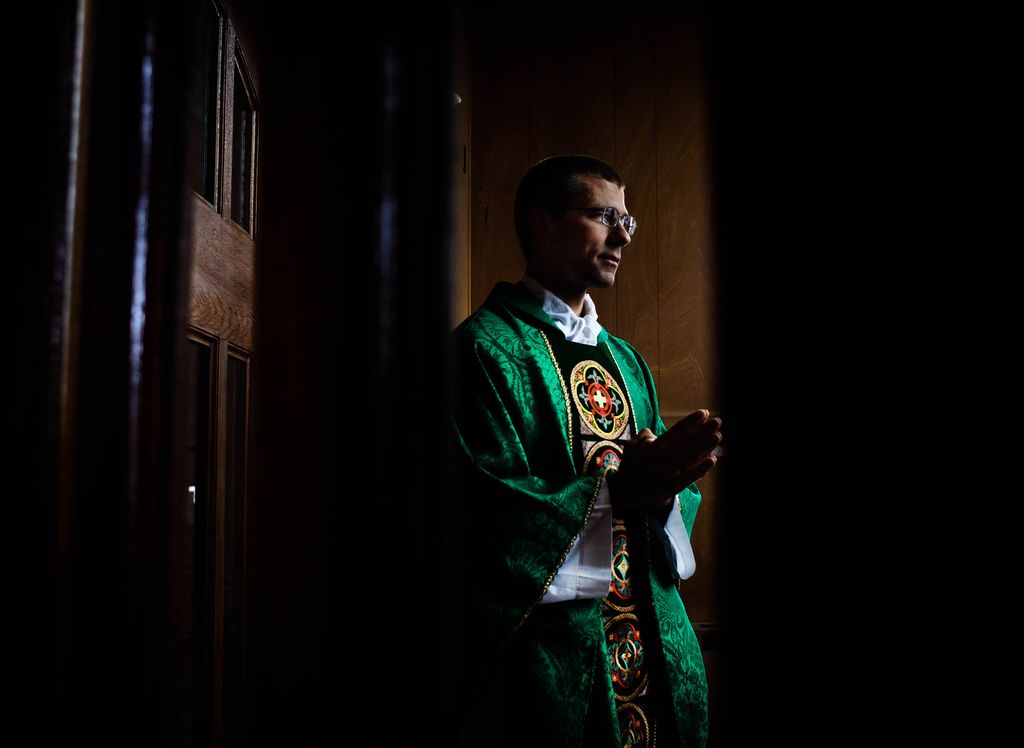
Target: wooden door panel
223 277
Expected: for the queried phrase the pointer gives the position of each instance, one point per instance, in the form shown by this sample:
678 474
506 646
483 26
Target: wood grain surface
222 279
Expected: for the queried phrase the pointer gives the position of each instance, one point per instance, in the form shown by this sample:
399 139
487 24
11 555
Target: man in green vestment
576 502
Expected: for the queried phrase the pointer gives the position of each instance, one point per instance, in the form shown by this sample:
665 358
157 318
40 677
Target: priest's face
580 251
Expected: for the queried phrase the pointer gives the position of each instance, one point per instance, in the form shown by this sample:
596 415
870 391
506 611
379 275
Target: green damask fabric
537 672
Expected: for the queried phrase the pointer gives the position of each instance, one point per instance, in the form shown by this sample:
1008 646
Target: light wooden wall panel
637 281
685 274
500 95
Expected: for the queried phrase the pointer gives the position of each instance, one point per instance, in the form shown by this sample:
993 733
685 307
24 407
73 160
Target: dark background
860 151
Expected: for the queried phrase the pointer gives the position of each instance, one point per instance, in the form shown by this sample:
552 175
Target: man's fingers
710 426
696 417
697 422
683 429
712 440
688 449
698 471
646 435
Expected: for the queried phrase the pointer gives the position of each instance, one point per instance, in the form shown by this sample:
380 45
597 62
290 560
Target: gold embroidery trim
621 617
565 394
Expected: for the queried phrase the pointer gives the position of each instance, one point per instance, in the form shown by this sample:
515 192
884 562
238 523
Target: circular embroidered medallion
599 399
633 726
604 455
625 655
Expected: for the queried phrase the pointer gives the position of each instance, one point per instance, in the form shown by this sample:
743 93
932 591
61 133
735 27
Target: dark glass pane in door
205 90
241 159
234 536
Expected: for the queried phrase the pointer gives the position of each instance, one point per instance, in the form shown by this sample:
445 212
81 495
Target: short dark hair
551 184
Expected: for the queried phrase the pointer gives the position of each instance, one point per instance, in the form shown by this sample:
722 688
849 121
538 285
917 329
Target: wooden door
220 365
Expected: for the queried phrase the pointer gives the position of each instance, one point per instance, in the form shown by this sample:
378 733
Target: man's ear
542 223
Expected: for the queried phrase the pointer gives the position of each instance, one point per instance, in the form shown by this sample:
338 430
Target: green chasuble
538 420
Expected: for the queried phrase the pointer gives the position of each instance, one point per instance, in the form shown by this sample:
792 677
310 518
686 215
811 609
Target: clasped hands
654 469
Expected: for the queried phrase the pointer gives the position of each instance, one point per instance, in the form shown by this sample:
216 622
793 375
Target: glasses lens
630 223
610 217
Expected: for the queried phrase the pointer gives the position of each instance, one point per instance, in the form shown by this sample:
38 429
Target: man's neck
572 297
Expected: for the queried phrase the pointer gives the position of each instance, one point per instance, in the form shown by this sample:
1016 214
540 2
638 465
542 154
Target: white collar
578 329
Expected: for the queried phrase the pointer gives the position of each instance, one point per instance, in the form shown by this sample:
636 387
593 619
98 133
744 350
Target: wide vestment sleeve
522 504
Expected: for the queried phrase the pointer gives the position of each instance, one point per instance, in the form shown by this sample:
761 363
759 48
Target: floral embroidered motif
603 455
599 399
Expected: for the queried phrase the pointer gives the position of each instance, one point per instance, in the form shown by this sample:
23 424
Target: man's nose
619 236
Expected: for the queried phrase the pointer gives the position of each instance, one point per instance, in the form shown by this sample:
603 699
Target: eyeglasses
610 217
